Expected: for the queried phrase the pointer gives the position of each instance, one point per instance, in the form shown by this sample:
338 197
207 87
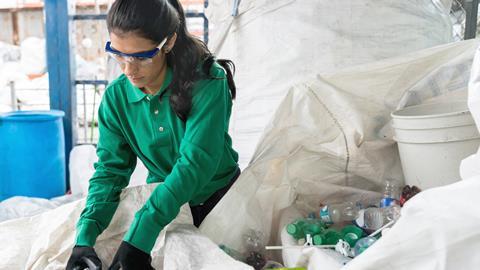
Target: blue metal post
205 23
61 67
471 12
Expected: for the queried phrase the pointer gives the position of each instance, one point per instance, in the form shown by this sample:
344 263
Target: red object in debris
408 192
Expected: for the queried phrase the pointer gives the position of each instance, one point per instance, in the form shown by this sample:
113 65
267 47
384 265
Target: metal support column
471 10
205 23
61 68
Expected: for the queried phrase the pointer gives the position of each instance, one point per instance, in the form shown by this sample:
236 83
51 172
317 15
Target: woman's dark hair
157 19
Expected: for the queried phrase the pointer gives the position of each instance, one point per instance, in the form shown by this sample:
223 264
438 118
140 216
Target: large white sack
187 249
81 168
331 139
8 52
276 44
471 165
21 206
45 241
33 55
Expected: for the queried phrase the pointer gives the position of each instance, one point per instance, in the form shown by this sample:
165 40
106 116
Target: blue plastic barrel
32 154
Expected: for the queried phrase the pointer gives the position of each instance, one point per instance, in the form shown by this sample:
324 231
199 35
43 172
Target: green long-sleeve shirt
193 159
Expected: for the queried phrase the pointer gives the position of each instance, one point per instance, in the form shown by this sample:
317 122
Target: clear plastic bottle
373 218
255 255
391 193
363 244
334 213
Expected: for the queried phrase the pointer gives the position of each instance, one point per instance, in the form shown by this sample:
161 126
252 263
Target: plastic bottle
351 234
334 213
312 215
313 226
331 237
301 227
363 244
255 256
318 239
392 212
295 229
391 193
374 218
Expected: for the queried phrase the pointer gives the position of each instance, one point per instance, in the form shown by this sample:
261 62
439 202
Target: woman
170 108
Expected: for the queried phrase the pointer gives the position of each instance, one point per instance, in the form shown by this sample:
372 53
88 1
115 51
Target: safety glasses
140 58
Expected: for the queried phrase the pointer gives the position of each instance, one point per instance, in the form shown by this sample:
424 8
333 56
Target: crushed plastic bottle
255 256
334 213
373 218
392 212
256 260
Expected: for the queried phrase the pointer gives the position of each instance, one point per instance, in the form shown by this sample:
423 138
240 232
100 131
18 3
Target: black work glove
84 257
129 257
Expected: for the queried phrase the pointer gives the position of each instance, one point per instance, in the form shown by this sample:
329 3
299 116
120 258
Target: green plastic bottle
318 239
312 229
295 229
331 237
301 227
351 234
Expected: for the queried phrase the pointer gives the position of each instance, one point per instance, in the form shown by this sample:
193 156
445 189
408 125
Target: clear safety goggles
140 58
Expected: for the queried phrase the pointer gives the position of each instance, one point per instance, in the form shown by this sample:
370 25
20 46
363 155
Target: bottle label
386 202
325 215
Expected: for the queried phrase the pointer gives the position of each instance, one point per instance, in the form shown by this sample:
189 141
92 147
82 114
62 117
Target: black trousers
199 212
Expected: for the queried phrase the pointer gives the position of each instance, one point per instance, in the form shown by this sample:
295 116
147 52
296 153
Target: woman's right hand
84 257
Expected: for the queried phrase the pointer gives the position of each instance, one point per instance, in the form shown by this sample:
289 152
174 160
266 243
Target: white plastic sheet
19 206
471 166
33 55
81 168
331 140
9 53
276 44
45 241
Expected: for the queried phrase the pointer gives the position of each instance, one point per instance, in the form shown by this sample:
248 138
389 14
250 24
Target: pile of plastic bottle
255 255
351 227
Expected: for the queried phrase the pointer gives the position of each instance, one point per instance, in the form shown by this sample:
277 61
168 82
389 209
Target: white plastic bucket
432 141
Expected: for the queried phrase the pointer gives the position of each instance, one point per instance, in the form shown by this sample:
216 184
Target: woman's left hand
129 257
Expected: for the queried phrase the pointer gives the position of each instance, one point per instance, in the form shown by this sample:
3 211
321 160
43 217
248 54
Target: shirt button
148 98
156 111
160 129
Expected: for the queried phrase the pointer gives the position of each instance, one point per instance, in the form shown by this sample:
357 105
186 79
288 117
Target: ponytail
187 53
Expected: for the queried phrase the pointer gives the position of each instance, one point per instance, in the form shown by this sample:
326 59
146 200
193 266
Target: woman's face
141 75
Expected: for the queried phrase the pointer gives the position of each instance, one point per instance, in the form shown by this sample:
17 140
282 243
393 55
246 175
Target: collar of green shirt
135 94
